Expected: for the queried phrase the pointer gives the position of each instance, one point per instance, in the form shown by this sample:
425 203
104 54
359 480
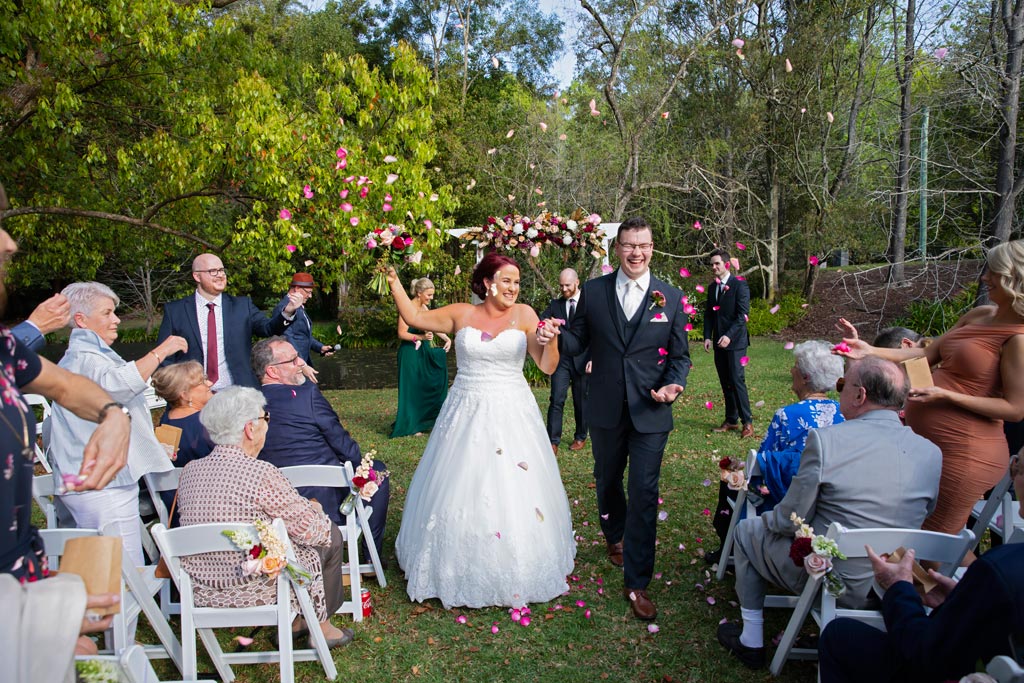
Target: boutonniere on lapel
657 299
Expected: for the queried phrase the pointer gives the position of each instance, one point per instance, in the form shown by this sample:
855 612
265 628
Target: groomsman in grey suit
870 471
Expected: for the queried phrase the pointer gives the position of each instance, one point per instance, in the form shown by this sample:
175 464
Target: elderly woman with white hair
114 509
814 373
231 485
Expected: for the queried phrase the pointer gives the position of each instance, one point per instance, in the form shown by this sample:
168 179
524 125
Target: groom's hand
667 394
547 330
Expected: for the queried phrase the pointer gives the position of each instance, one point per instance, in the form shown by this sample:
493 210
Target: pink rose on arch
817 565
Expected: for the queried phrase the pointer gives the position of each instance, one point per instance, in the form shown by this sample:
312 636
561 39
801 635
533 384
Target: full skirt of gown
486 519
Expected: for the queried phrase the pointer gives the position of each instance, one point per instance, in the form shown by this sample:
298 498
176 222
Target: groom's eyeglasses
630 248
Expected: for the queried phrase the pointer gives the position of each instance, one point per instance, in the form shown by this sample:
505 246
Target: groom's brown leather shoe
642 606
615 553
577 445
748 431
726 427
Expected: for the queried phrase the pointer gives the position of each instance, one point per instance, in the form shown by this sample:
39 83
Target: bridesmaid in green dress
422 370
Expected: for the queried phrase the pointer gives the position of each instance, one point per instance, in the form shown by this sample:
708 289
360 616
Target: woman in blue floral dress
814 373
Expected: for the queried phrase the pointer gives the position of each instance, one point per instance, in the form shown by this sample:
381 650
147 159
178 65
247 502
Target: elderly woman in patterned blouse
231 485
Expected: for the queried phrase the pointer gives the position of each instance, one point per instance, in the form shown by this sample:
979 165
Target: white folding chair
37 400
356 525
1000 513
945 549
152 400
1005 670
726 558
209 538
139 585
43 492
156 482
133 666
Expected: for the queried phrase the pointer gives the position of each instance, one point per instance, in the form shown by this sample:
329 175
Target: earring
190 403
494 289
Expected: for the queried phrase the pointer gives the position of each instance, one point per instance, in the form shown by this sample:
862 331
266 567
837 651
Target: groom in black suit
632 324
725 329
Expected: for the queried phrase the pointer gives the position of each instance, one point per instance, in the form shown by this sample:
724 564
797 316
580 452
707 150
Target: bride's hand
392 277
547 330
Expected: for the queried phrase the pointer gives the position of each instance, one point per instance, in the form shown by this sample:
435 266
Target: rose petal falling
495 62
510 133
523 465
683 272
941 53
774 309
244 641
284 214
741 246
307 192
711 600
563 136
744 360
290 247
788 345
540 515
789 66
699 288
392 177
813 260
492 150
543 126
830 117
307 263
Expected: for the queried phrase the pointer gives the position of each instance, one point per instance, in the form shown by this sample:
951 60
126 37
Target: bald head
872 384
568 282
208 272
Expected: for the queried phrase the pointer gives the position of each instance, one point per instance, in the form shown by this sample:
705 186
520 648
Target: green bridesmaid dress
422 386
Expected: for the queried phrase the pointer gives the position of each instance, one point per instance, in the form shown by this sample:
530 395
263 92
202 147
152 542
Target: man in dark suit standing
219 327
725 328
571 370
300 332
632 324
305 430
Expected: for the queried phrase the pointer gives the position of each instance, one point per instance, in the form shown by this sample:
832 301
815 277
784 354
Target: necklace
26 448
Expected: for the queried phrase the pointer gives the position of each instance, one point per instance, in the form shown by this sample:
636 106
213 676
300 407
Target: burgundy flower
725 463
800 549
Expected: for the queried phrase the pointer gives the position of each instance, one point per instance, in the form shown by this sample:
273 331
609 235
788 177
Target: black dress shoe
729 637
713 557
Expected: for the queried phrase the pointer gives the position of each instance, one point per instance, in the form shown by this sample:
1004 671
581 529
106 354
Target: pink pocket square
660 318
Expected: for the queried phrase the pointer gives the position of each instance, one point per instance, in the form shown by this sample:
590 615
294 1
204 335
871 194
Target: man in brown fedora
300 332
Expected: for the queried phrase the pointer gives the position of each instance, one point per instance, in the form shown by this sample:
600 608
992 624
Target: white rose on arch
531 233
567 240
518 228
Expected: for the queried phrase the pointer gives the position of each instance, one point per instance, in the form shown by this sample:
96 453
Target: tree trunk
898 239
1007 185
774 289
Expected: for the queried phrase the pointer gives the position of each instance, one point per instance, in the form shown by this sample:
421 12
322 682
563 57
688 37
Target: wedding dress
486 519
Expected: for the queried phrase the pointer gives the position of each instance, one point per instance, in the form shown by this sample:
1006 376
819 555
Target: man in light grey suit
867 472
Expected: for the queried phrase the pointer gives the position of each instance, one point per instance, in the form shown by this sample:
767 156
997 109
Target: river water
346 369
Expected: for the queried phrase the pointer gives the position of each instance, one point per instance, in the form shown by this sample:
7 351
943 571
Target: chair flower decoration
815 552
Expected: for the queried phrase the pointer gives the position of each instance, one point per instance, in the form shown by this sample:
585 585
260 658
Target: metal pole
922 230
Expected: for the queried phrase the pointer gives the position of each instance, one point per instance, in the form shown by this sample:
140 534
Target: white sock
753 627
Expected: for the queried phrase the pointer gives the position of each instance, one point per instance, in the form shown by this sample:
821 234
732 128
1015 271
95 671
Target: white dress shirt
635 297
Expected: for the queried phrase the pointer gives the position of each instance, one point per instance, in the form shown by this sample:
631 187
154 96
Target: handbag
162 571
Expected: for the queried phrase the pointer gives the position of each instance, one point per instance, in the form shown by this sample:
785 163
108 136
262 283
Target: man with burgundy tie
571 370
219 327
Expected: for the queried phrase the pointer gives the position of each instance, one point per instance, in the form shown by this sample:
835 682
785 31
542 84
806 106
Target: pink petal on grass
243 641
709 405
662 516
494 628
788 345
563 136
461 619
711 600
587 614
580 603
774 309
707 513
706 482
510 133
543 126
652 628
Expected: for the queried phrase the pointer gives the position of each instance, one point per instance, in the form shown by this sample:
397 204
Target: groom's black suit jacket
626 367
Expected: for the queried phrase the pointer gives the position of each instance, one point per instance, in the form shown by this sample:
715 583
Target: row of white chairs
947 550
141 585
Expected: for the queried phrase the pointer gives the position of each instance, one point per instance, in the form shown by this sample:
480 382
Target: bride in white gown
486 519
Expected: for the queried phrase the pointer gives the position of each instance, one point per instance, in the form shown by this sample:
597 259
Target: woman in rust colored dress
977 387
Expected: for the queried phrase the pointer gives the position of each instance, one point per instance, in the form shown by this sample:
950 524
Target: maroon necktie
212 361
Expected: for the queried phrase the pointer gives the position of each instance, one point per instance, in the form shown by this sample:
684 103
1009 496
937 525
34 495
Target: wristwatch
118 406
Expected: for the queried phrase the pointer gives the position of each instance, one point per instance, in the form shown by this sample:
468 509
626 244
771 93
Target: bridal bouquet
365 480
815 553
266 554
393 245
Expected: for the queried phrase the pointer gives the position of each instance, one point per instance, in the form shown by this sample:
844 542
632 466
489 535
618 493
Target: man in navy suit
972 621
219 327
47 317
571 370
300 332
725 328
305 430
632 323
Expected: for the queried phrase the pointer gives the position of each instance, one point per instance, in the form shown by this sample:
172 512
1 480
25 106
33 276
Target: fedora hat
302 280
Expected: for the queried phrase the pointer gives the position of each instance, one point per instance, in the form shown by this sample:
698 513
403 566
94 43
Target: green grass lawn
408 641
